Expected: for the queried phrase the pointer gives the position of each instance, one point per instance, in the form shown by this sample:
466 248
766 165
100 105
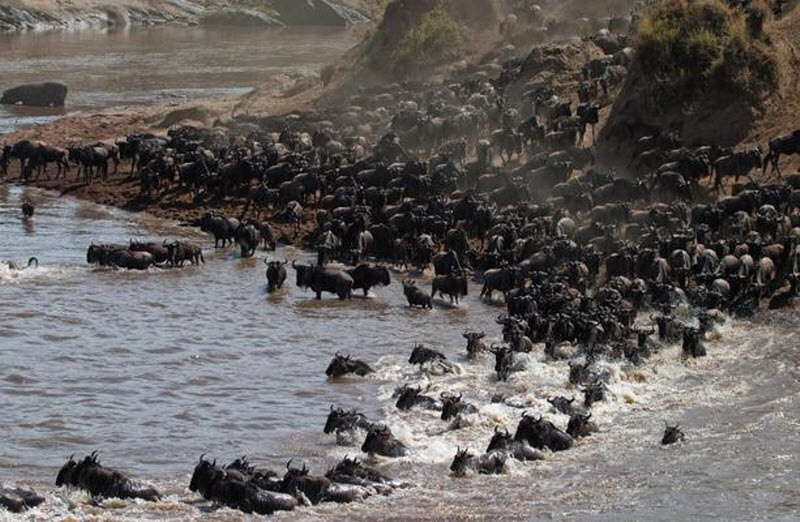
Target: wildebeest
346 422
486 464
453 285
503 361
381 441
178 252
788 144
580 426
355 472
223 229
276 274
501 280
99 481
540 433
160 252
410 397
421 355
231 489
343 364
416 296
299 483
453 406
321 279
18 499
503 441
672 434
562 404
27 209
474 344
119 256
248 237
366 276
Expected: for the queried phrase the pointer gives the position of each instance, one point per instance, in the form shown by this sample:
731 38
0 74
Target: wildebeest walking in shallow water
104 482
672 434
276 274
343 364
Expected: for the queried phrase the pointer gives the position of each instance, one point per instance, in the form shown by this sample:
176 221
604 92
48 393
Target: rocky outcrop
107 13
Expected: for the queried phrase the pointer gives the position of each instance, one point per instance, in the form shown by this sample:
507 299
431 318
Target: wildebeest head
451 405
461 462
474 346
303 273
339 419
381 441
409 397
340 365
203 475
66 473
672 434
580 425
562 404
500 440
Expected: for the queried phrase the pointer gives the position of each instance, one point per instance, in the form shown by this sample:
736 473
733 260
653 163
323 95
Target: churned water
154 368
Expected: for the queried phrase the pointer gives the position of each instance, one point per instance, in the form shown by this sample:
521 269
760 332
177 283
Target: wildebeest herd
592 266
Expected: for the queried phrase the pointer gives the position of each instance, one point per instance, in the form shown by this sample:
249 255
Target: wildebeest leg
319 295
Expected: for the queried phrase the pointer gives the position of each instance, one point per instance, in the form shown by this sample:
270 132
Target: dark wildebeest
321 279
410 397
416 296
475 346
453 406
540 433
672 434
580 426
503 441
160 252
486 464
223 229
18 500
276 274
343 364
88 474
787 144
453 285
366 276
380 441
503 361
178 252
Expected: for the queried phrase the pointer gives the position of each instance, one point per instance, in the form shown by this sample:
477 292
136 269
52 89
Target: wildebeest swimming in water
486 464
99 481
672 434
13 265
503 441
381 441
343 364
236 490
540 433
347 425
18 499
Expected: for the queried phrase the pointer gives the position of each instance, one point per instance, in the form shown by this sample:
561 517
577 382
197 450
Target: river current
154 368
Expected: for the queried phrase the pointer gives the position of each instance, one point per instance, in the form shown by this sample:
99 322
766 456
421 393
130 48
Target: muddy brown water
139 66
154 368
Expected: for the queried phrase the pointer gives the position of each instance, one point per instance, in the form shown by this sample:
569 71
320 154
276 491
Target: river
154 368
138 66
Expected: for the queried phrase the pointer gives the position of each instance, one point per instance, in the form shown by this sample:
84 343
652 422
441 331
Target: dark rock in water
18 500
316 12
45 94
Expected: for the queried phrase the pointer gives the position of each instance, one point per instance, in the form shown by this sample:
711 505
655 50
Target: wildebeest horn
201 457
71 457
496 428
572 399
294 263
460 395
285 261
289 463
331 407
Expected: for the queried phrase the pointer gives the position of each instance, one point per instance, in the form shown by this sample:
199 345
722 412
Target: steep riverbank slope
19 15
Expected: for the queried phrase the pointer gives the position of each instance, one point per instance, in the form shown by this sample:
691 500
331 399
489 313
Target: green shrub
435 38
688 48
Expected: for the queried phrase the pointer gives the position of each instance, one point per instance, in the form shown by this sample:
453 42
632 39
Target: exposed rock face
46 94
42 15
316 12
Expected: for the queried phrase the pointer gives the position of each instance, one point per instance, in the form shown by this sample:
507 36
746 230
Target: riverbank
39 15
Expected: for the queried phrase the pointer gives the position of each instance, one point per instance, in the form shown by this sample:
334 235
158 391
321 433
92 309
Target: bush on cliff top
688 50
435 38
